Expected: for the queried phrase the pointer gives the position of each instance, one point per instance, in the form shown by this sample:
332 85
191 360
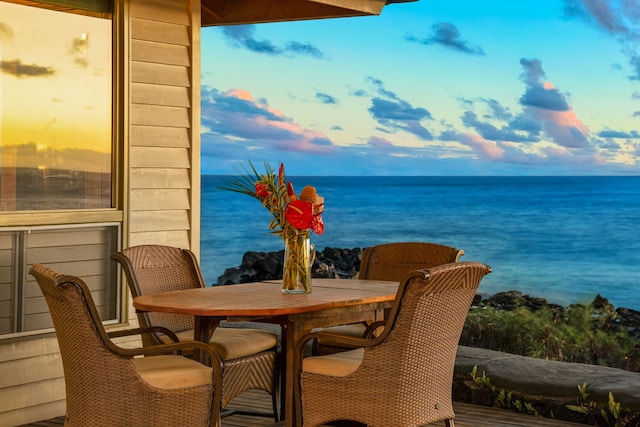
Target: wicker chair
106 386
404 376
390 261
249 356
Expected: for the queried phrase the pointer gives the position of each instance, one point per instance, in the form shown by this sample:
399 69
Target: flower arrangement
295 217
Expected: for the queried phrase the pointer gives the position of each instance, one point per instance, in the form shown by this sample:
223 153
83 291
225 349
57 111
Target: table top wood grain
267 299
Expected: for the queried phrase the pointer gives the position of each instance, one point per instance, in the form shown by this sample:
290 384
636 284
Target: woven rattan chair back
406 374
391 261
151 269
102 387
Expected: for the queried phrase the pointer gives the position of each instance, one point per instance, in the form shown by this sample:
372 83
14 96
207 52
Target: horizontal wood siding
171 11
159 119
162 74
162 221
159 115
148 51
161 178
154 136
32 382
157 32
160 152
42 367
173 96
159 200
165 158
6 289
43 411
179 239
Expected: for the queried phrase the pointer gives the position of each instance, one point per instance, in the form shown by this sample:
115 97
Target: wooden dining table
331 302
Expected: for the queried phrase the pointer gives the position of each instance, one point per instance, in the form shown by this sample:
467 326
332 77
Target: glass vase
299 254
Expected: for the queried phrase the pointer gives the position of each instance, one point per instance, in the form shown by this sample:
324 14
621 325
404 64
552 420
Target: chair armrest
332 340
179 346
371 329
147 330
168 349
171 348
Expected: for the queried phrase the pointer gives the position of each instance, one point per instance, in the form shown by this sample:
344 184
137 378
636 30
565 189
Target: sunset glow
55 83
498 88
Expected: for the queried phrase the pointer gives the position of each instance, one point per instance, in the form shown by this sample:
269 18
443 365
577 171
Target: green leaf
576 408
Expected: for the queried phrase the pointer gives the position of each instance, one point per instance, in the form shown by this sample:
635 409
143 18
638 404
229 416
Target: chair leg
277 383
275 399
275 402
449 423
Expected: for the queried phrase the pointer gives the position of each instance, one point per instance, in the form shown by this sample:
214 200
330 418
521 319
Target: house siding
163 138
161 178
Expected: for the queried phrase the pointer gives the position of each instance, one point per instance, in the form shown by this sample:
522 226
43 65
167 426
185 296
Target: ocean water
565 239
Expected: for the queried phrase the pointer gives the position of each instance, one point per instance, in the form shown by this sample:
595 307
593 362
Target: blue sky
434 87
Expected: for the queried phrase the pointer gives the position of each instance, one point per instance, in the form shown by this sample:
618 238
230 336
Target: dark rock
337 263
629 320
477 300
329 263
510 300
601 303
255 266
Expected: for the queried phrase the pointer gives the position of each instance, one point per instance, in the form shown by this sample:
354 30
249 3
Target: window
79 250
55 108
56 156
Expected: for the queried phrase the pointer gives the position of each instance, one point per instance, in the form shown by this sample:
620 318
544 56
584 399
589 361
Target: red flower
290 192
317 225
281 175
262 190
299 213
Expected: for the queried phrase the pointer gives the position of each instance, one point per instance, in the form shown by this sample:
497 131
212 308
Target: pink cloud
486 149
562 127
237 116
245 95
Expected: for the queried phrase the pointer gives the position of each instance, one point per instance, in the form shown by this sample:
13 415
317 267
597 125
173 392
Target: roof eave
233 12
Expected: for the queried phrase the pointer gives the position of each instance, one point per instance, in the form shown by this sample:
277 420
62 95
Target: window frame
21 249
12 220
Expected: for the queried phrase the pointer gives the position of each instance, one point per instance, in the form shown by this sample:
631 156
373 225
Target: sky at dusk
434 87
55 80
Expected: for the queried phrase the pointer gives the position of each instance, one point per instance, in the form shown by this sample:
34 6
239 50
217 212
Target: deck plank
467 415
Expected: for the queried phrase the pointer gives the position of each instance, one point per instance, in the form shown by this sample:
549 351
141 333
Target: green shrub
578 333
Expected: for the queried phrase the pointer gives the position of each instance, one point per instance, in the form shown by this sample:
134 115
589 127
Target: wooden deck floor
466 416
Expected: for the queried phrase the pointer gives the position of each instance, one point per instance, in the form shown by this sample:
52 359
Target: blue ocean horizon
562 238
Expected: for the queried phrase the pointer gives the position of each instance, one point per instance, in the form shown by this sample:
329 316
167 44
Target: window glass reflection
55 109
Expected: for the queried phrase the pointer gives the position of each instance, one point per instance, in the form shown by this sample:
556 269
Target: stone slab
550 378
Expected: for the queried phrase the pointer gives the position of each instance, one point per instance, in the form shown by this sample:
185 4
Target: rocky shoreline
539 386
329 263
345 264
